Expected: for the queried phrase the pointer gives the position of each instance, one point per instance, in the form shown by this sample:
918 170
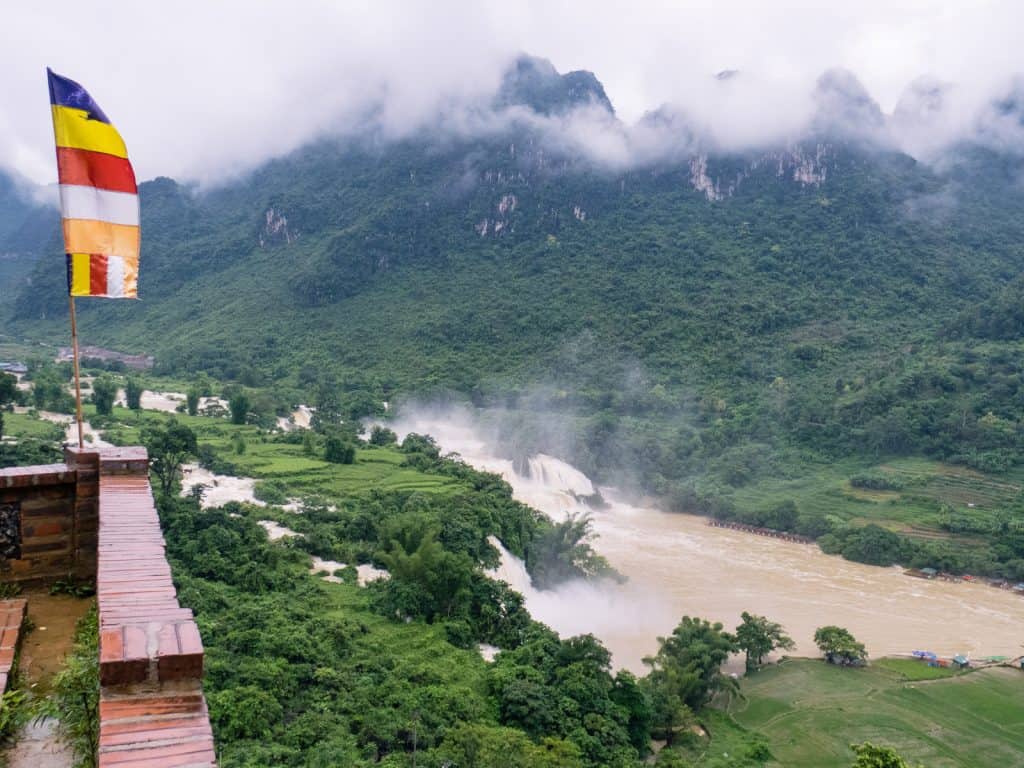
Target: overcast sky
202 90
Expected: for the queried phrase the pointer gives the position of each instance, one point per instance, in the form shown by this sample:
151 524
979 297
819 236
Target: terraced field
302 474
926 490
811 712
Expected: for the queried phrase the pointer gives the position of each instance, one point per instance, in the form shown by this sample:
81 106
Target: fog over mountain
195 103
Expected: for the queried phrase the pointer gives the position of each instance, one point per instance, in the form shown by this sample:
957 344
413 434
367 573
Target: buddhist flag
98 198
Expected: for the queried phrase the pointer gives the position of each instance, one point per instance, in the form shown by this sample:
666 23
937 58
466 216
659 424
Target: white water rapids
678 565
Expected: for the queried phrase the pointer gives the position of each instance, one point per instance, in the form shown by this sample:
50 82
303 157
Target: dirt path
43 649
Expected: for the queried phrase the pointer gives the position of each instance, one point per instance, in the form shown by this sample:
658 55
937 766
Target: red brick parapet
34 477
152 711
145 635
12 615
163 728
94 517
55 520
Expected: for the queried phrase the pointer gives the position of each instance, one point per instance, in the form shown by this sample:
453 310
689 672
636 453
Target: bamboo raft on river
770 532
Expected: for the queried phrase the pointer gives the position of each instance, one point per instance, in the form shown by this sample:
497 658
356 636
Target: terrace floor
52 620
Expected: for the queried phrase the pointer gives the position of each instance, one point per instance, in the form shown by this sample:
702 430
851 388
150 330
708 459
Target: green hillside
720 333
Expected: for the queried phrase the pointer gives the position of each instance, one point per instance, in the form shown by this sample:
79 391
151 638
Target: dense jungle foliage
305 673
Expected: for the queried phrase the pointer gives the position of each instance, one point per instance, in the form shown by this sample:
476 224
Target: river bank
679 565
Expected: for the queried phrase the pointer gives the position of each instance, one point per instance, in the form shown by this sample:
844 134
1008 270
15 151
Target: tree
425 444
382 436
338 451
870 756
687 669
8 388
629 694
758 637
839 646
104 392
426 579
239 405
133 393
471 745
783 517
245 712
328 408
49 390
563 552
669 714
168 448
192 401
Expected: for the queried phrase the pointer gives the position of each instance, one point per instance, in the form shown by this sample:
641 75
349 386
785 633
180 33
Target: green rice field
811 712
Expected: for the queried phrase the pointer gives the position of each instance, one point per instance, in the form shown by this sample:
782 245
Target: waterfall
558 475
678 565
512 570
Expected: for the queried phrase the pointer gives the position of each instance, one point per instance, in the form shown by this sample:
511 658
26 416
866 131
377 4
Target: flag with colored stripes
98 198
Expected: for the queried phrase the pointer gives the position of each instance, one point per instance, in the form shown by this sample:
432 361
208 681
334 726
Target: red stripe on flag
95 169
97 274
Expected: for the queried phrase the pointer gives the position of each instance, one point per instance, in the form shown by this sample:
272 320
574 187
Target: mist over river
678 565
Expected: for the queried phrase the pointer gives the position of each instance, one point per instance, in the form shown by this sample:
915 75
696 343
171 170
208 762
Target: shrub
76 692
382 436
876 481
337 451
133 393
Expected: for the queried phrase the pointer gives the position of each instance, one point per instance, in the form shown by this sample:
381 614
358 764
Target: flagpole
78 378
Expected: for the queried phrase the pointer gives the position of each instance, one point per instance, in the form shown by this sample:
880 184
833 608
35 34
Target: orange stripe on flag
97 274
89 236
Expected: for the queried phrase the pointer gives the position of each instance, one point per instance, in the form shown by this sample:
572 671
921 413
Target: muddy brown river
678 565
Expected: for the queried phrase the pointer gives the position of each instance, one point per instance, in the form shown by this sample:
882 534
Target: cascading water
611 611
678 565
512 571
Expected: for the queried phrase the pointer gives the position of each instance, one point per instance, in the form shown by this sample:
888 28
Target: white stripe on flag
115 277
78 202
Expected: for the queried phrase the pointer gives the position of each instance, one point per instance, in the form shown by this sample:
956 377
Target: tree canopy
756 636
169 446
839 646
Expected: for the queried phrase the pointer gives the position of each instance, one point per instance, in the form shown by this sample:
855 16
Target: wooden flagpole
78 378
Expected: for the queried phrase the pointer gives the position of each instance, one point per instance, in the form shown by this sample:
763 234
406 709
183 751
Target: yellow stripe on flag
73 128
79 274
131 277
89 236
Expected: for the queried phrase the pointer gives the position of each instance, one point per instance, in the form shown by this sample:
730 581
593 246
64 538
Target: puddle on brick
38 746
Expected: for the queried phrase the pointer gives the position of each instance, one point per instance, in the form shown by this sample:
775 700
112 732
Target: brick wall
52 517
94 517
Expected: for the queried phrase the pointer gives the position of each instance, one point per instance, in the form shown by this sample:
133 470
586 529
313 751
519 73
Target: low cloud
206 92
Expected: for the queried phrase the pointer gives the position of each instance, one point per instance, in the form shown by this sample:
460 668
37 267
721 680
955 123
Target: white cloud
203 90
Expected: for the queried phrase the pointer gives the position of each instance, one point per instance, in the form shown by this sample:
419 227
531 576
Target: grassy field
913 669
811 712
24 425
915 509
288 464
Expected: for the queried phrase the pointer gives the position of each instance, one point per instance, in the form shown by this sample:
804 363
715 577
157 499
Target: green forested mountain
694 323
26 227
